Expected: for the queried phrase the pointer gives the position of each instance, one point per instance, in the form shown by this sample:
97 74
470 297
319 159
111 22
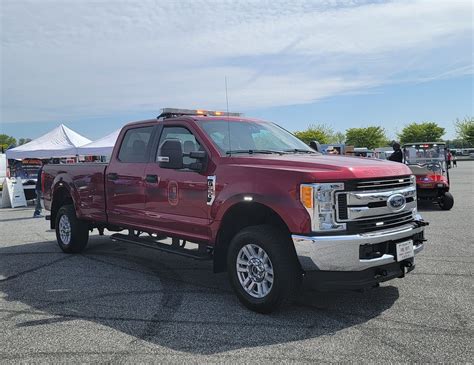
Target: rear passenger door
176 201
125 182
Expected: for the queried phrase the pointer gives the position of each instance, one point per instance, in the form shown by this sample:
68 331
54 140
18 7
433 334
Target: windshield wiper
298 150
251 152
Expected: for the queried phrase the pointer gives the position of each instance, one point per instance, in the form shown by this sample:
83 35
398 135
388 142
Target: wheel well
61 197
235 219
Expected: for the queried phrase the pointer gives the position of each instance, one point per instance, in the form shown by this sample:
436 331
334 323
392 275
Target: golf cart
428 162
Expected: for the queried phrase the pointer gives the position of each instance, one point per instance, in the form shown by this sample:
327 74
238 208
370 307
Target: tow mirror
171 154
201 158
199 155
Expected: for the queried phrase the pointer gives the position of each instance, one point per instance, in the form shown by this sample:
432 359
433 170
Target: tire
447 201
270 277
72 234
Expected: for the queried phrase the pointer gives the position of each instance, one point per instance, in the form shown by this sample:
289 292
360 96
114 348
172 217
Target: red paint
273 180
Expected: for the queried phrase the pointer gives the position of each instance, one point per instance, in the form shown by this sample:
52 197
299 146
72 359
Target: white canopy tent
60 142
101 147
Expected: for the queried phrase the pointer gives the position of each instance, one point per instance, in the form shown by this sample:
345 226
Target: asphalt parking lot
120 303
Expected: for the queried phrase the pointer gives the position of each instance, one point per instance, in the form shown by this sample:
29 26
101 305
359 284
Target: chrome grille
365 205
374 224
380 184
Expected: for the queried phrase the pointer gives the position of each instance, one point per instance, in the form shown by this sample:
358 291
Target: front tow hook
405 265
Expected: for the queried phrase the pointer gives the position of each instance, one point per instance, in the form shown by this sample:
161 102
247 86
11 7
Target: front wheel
72 234
263 268
447 201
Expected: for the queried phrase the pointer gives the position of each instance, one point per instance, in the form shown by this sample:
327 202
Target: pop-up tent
101 147
60 142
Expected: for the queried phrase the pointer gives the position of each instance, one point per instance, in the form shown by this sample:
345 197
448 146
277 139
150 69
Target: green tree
421 132
23 141
370 137
337 138
465 129
6 141
320 132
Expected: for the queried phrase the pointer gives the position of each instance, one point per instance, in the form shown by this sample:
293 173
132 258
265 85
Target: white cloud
78 58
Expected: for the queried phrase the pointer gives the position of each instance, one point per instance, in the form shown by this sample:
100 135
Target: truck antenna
228 121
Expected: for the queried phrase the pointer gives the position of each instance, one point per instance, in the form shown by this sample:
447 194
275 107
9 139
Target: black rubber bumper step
150 242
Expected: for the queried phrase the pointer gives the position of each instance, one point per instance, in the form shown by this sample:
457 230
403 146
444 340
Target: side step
150 242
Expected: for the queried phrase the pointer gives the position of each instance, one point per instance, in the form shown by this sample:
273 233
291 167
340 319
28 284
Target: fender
62 181
289 210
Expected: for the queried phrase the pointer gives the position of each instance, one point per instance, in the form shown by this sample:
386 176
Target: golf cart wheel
263 268
72 234
447 201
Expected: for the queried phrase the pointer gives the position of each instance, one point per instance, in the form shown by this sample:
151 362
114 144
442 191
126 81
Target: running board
149 242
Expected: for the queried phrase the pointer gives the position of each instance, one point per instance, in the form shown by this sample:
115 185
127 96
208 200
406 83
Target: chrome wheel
254 270
65 230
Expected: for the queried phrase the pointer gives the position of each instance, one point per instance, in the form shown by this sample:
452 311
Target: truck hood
323 167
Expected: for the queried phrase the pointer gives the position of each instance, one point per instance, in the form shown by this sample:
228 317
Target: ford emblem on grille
396 202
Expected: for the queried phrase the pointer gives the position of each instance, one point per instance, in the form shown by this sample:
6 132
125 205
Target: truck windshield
252 137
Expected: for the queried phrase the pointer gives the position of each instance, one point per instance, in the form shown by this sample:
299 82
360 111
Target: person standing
39 192
397 155
450 158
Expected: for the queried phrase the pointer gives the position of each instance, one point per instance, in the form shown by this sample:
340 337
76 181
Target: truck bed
86 184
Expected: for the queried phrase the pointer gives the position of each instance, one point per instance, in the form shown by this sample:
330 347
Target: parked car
257 201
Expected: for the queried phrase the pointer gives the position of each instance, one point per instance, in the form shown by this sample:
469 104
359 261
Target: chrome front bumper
341 253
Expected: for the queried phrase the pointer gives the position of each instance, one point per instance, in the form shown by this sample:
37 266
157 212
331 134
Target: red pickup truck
248 195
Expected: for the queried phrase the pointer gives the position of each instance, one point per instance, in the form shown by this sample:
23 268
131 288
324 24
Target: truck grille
342 206
363 204
374 224
379 184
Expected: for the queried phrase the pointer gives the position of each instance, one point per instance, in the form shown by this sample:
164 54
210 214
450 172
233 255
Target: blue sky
97 65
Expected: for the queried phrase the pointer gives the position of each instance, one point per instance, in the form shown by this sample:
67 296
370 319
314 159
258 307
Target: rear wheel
262 268
72 234
446 202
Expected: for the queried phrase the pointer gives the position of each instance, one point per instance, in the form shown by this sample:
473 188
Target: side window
187 139
134 145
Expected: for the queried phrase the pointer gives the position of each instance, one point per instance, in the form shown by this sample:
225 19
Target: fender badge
211 189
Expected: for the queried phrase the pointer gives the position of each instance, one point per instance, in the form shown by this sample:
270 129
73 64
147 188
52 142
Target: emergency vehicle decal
173 193
211 189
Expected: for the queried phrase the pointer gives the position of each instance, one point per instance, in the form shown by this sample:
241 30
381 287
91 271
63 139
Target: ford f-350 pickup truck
249 196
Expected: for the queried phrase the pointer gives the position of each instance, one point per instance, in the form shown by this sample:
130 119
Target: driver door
176 200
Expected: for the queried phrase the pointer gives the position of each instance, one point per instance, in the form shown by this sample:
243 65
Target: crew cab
248 195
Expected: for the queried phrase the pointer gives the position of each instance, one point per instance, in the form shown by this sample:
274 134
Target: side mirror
315 146
171 154
199 155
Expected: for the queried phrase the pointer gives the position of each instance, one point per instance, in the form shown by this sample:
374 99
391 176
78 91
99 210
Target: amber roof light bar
175 112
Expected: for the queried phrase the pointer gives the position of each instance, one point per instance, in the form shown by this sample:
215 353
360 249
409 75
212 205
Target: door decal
173 193
211 189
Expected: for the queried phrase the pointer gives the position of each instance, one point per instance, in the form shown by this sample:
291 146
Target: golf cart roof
424 144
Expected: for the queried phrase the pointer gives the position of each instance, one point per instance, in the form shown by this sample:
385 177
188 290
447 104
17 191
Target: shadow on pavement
427 206
164 299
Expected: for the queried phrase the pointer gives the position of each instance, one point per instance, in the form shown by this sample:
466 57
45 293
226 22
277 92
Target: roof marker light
248 198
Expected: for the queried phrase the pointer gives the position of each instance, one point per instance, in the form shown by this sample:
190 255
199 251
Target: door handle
152 179
112 176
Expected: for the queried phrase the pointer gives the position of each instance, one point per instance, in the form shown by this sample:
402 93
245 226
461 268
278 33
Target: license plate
405 250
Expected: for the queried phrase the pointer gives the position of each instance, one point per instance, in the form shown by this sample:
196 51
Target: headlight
319 201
